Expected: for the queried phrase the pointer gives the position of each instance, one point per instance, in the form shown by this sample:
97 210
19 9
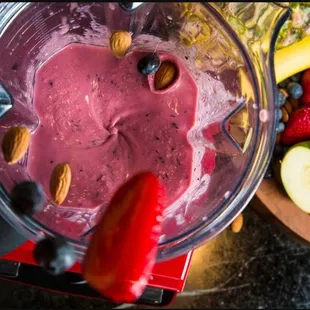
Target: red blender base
168 278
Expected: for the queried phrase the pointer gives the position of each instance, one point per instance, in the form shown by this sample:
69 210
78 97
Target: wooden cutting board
271 196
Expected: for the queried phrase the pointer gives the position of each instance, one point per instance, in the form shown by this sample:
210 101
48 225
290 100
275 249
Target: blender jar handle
292 59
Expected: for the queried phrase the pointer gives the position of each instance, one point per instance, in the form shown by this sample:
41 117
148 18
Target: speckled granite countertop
261 267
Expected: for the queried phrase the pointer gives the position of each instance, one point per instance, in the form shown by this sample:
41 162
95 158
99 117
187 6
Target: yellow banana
292 59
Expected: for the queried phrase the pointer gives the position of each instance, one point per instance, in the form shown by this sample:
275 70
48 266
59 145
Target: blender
228 49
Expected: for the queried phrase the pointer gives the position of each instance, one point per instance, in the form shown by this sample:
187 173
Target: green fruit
296 27
295 174
247 18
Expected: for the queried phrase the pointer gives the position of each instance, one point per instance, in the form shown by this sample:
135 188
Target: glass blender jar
228 49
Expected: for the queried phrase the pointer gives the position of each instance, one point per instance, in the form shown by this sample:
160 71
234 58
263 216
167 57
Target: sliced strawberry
305 98
305 79
305 83
298 127
122 251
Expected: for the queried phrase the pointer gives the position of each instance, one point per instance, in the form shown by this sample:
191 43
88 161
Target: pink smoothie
98 114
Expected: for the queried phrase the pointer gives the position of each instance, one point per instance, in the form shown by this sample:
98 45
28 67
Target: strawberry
122 251
305 98
305 79
305 83
298 127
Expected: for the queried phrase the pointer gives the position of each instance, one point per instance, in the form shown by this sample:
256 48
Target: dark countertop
261 267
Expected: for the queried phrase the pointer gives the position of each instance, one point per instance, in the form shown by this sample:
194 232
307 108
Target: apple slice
295 174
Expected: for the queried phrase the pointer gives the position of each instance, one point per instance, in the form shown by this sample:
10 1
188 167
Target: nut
15 144
120 43
237 224
285 115
60 183
288 107
165 75
285 93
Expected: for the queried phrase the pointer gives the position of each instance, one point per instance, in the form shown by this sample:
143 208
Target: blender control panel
72 283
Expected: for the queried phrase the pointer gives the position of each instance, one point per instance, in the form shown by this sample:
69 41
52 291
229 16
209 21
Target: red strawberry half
305 83
298 127
305 98
122 251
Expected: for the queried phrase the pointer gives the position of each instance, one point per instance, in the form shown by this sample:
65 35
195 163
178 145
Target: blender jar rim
237 199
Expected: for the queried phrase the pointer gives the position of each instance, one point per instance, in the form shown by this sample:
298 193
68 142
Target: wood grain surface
273 197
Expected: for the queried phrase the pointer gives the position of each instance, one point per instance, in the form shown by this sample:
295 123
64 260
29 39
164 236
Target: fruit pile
290 164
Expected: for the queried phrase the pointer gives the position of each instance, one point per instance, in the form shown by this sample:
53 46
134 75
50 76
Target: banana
292 59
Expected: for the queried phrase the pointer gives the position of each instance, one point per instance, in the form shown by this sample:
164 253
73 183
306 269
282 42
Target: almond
288 107
60 183
237 224
285 93
120 43
165 75
15 144
285 115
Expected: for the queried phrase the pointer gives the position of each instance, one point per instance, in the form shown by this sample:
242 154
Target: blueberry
280 99
27 197
54 255
280 127
280 114
295 90
148 64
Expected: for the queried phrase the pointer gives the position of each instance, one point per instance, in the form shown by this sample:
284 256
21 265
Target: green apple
295 174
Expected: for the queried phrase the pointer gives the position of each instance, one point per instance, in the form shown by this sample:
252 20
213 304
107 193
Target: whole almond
237 224
285 93
165 75
120 43
288 107
285 115
60 183
15 144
